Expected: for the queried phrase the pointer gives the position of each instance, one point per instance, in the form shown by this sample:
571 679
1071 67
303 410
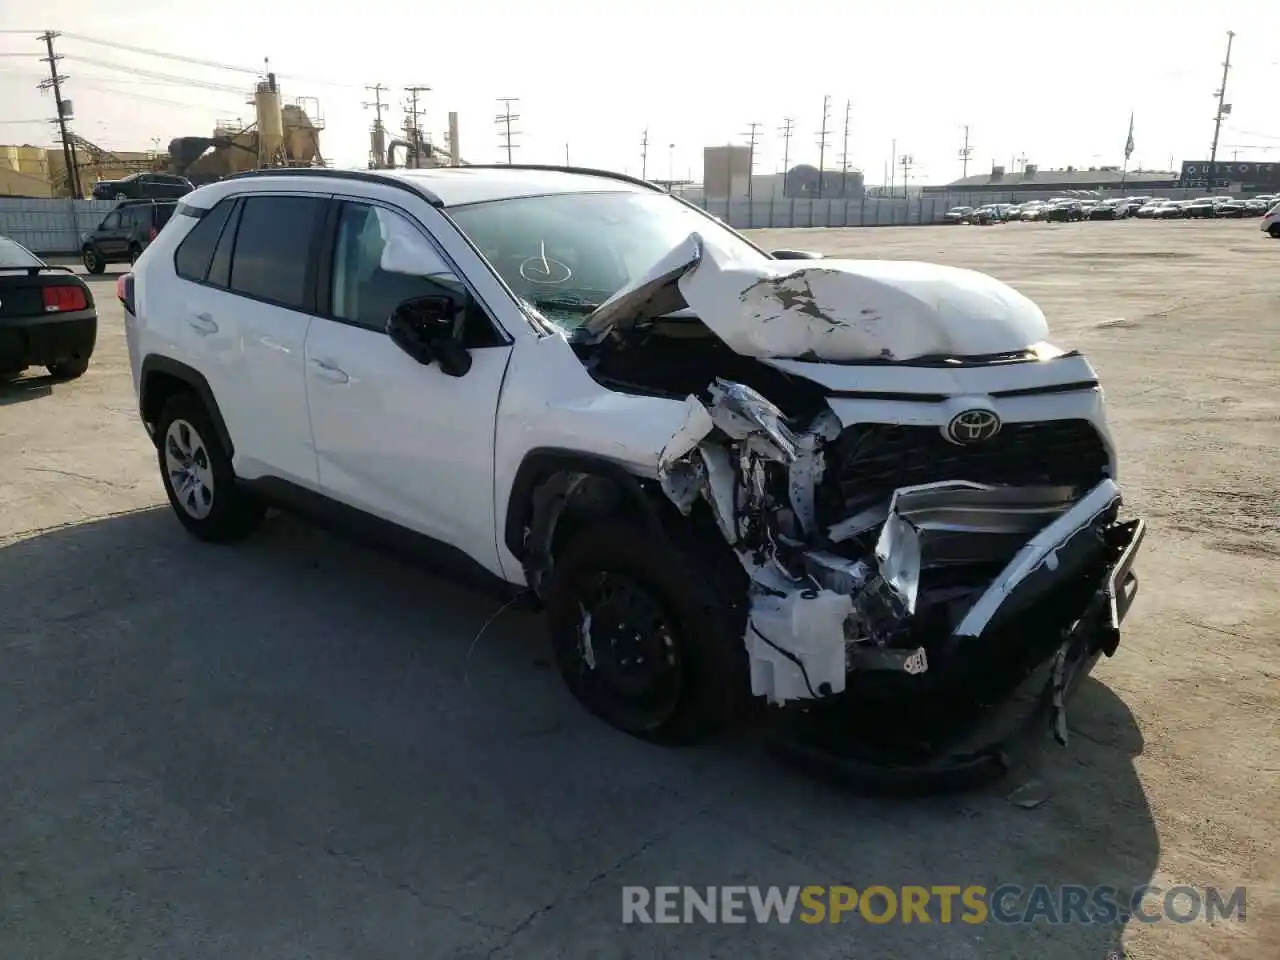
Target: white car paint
1271 218
340 409
831 309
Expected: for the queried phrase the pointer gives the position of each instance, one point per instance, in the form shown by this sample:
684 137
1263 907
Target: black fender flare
541 463
153 364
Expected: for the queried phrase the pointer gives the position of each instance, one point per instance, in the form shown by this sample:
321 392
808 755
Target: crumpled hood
837 310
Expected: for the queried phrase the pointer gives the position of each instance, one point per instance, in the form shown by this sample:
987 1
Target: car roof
457 186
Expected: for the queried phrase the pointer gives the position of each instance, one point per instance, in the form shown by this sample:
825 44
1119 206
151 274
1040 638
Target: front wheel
198 477
93 261
645 638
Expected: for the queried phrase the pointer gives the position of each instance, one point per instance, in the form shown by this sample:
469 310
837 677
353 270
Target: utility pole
907 162
54 83
966 152
644 153
378 141
751 158
893 164
504 119
1224 109
413 125
566 156
844 151
788 127
822 140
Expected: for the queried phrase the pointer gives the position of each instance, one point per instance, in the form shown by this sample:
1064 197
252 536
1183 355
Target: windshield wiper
569 304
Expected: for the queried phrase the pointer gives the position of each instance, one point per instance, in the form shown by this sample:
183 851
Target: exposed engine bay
891 556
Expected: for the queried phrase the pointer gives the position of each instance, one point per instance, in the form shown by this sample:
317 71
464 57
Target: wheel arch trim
154 364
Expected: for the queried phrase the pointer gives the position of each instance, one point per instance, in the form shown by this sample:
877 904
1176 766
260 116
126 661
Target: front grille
871 460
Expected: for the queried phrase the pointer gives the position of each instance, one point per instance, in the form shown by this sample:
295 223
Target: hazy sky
1052 81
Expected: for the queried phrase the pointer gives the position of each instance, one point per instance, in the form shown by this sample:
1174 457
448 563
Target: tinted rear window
196 249
273 246
16 255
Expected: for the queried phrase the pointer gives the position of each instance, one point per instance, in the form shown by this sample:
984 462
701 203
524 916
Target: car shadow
278 737
19 389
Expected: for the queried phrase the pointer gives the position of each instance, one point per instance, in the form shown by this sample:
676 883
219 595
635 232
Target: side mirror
423 327
795 255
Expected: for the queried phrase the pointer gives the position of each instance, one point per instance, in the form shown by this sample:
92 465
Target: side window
381 259
110 222
273 248
220 267
196 249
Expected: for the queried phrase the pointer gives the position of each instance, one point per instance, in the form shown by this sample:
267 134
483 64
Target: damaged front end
929 633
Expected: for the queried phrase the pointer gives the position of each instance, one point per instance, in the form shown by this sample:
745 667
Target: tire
68 369
1274 230
93 261
698 629
215 509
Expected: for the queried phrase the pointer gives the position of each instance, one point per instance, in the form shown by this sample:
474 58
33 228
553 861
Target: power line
55 83
822 141
156 75
504 119
197 61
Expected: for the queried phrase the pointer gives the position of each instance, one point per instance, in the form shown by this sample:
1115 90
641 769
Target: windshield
15 255
567 253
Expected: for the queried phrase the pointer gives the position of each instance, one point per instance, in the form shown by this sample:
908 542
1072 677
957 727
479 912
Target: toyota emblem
973 426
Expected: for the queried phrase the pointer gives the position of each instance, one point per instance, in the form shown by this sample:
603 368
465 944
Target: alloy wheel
187 469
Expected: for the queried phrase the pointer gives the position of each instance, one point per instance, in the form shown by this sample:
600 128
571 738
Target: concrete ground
298 747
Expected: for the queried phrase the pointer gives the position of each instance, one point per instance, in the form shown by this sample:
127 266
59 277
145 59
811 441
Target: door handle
330 372
203 323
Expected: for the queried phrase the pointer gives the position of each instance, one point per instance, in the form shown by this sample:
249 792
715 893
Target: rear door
111 236
247 310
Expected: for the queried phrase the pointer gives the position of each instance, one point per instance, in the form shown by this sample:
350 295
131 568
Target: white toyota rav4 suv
868 493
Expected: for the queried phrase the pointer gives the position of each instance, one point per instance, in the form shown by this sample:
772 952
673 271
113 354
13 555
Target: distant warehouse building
1236 176
1032 182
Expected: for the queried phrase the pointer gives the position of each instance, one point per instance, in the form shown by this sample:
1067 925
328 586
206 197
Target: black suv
143 186
124 233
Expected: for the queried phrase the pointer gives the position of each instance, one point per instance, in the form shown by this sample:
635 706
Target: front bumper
41 340
989 699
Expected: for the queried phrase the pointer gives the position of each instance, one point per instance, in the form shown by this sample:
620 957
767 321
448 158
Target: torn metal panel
1041 551
956 522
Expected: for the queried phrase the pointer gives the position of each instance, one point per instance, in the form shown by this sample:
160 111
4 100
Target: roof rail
587 171
363 176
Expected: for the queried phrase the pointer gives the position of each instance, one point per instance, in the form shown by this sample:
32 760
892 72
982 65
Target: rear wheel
646 638
1275 231
68 369
93 261
198 477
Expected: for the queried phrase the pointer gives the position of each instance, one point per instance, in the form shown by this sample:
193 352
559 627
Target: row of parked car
1084 208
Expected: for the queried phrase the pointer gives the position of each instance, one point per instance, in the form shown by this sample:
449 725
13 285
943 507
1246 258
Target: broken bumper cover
986 699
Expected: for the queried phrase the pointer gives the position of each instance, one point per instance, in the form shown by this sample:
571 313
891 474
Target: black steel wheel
647 637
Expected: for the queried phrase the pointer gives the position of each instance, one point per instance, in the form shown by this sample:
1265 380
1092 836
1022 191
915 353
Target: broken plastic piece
796 645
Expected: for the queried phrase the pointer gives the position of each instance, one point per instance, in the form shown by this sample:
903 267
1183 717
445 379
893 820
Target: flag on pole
1128 144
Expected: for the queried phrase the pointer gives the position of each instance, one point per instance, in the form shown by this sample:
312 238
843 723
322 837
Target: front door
394 437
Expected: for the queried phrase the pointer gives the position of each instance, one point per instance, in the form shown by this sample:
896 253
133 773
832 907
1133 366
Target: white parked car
1271 220
849 488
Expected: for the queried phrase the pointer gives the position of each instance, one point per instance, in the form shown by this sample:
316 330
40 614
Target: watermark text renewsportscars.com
938 903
